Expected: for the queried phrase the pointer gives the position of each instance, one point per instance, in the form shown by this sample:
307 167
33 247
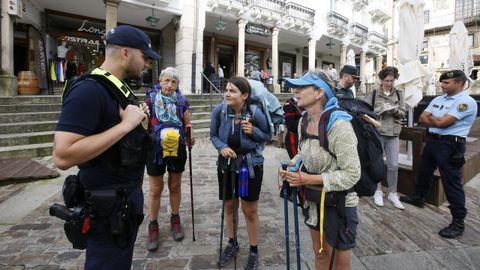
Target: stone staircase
27 123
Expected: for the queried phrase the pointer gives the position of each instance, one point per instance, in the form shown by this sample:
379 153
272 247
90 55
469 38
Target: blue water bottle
243 181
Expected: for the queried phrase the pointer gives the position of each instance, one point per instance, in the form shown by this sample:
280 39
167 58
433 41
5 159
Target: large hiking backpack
269 104
369 146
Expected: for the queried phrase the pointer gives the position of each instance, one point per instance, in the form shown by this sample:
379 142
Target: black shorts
339 232
170 164
254 185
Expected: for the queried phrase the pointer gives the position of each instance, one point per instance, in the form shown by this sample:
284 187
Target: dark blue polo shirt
90 109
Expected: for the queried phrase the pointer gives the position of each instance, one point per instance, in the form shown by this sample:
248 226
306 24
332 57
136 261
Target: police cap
453 74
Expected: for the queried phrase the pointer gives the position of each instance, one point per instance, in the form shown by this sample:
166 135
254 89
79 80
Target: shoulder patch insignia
462 107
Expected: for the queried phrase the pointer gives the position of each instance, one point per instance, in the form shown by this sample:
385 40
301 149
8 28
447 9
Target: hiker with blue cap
332 172
102 129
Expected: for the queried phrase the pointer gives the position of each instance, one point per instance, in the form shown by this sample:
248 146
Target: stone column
311 53
343 54
363 56
213 53
275 67
7 80
111 7
299 61
189 43
378 60
241 47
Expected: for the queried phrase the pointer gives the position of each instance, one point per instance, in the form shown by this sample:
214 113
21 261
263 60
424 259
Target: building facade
284 38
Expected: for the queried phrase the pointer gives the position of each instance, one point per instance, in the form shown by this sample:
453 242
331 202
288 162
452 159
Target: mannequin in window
62 51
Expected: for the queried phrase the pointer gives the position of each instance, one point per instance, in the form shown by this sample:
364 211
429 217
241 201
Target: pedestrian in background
388 103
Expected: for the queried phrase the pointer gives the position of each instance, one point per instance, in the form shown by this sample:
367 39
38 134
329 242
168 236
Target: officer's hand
132 116
227 152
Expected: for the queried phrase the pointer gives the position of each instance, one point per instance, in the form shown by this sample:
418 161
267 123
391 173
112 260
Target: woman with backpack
326 173
170 119
239 132
389 104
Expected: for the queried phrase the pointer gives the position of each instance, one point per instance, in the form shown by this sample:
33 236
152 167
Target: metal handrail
212 87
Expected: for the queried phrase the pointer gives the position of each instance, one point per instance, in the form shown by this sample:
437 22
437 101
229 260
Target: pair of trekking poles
230 165
286 187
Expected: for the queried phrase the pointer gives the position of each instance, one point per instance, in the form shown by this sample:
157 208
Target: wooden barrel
28 83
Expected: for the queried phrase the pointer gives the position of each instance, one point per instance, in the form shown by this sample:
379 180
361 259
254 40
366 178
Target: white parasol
351 61
460 56
413 76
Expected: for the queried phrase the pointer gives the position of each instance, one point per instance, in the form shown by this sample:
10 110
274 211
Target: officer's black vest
129 152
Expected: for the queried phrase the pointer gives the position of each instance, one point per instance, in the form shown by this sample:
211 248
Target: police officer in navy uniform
449 118
93 124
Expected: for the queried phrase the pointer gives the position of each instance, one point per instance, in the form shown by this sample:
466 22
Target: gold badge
462 107
450 74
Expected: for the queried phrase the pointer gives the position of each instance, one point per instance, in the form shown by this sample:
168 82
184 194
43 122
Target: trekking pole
189 138
295 219
285 208
233 171
223 213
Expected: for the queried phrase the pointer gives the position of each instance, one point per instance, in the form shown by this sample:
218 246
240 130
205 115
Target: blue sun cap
310 78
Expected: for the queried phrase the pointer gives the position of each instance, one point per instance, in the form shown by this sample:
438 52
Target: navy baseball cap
348 69
310 78
129 36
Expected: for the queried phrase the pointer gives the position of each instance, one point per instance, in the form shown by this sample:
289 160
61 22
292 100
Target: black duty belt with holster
449 138
88 206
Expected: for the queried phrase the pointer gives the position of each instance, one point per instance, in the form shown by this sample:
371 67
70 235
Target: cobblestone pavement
31 239
38 241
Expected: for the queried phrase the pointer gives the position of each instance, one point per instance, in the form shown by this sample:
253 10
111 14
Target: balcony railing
300 12
358 33
439 21
359 4
337 24
380 9
377 41
274 6
468 16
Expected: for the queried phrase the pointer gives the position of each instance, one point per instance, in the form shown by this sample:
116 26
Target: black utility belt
450 138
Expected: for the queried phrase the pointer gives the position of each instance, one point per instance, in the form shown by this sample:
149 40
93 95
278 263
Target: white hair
169 72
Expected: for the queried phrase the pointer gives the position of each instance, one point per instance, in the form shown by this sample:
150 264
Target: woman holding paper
389 104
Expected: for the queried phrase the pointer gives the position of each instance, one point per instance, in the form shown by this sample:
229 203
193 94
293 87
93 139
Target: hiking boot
176 228
378 198
393 198
414 200
454 230
152 243
252 262
228 253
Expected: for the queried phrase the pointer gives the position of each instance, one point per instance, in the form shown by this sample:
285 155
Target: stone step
30 150
29 117
27 100
27 127
14 108
199 124
26 138
201 115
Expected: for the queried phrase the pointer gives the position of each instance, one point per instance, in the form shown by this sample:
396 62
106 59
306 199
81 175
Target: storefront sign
82 40
257 29
91 29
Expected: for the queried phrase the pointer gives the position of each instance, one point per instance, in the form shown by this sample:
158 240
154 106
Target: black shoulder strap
322 130
398 95
374 96
303 126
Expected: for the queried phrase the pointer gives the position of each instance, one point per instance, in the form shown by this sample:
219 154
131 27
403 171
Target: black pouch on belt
457 158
